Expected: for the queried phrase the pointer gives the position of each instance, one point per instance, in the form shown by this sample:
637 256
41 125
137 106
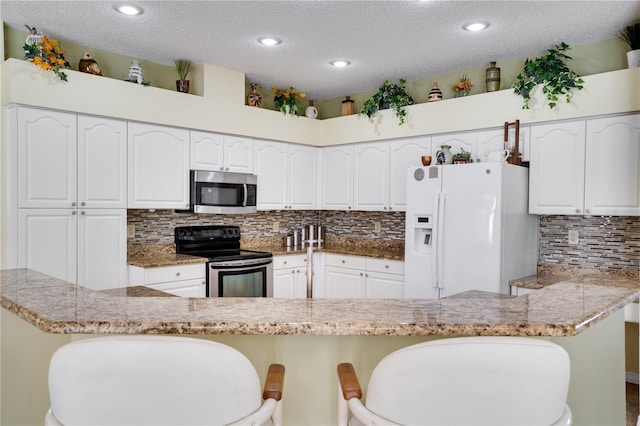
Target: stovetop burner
216 242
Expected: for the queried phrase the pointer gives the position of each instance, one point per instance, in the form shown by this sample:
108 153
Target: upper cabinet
286 176
47 165
67 161
371 176
221 153
337 177
158 167
404 153
586 167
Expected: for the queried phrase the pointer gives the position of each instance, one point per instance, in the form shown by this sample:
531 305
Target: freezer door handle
435 239
440 239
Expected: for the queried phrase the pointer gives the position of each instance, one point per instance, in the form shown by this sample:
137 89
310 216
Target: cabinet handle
293 272
366 275
222 168
386 266
73 213
83 204
82 213
349 207
73 204
177 274
285 262
390 207
577 210
227 169
343 261
361 274
588 211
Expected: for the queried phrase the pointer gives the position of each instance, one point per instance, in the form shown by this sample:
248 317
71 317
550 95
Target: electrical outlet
131 231
276 226
376 227
573 236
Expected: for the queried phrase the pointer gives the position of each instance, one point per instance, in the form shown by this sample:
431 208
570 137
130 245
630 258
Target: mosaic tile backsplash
611 243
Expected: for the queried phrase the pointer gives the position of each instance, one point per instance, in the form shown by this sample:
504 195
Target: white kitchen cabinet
586 167
371 176
404 153
68 161
158 166
290 276
493 140
612 167
286 176
363 277
47 165
181 280
84 246
337 177
457 141
556 170
102 163
216 152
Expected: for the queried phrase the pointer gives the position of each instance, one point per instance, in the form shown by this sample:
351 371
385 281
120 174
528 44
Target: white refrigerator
467 228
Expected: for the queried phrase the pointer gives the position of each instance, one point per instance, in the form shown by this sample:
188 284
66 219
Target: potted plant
552 72
462 157
389 95
287 100
631 35
183 67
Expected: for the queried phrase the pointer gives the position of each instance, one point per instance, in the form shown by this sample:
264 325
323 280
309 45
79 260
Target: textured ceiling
382 39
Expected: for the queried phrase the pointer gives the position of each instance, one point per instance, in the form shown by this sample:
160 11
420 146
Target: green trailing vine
389 95
552 72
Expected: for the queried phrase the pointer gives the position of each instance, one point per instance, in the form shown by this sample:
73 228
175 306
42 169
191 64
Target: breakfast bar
311 336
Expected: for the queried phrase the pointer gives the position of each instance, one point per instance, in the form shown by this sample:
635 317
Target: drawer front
290 261
345 261
385 266
165 274
186 288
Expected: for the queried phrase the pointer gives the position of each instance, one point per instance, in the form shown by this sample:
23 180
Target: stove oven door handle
241 263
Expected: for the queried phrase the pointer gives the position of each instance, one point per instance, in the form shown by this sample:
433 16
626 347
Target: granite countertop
563 309
155 255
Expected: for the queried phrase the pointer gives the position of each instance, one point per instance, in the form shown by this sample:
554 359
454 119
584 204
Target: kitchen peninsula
311 336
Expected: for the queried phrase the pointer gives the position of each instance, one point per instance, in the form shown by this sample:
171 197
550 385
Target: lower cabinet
290 276
87 247
180 280
363 277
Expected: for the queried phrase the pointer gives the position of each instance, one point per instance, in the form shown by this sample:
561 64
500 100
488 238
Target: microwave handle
246 194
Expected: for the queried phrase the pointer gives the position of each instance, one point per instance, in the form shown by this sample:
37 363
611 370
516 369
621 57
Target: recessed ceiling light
475 26
128 9
269 41
340 64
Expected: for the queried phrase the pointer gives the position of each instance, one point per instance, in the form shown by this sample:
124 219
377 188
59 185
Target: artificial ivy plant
389 95
552 72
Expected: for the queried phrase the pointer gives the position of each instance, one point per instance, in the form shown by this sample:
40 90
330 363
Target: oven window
242 283
219 194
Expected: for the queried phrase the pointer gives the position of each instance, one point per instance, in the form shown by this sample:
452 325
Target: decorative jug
444 155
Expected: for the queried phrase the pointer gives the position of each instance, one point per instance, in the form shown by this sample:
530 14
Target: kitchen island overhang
310 337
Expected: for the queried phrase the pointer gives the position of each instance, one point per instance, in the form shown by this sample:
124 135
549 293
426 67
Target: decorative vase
254 98
348 106
633 58
435 94
492 78
461 94
444 155
182 86
311 111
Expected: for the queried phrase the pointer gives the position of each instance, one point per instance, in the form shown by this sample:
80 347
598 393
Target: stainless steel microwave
223 192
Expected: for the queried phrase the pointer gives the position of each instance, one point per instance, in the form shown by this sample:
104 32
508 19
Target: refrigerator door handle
435 241
440 242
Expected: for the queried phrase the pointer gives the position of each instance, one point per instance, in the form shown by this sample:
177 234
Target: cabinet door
402 155
102 163
206 151
284 283
612 168
337 175
271 169
47 242
384 286
158 167
46 159
238 154
102 248
458 141
303 172
184 288
371 176
493 140
344 283
300 284
556 169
